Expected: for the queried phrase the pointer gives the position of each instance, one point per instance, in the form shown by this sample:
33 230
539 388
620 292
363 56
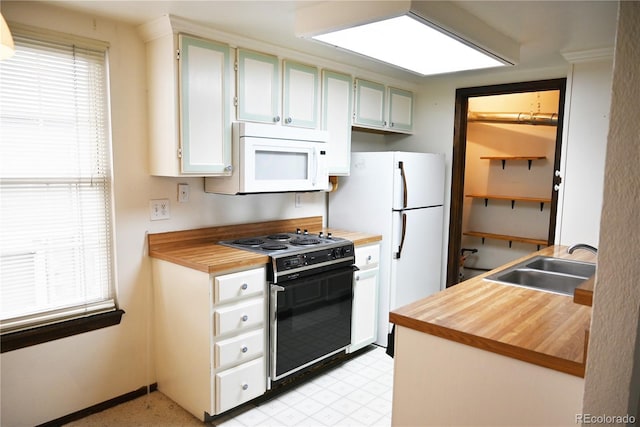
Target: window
56 228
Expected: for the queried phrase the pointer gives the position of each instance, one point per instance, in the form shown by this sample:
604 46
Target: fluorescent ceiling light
410 43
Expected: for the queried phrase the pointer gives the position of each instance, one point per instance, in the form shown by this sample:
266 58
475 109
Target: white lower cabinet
238 317
364 318
240 384
238 349
211 337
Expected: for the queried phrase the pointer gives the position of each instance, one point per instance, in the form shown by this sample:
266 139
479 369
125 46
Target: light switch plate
159 209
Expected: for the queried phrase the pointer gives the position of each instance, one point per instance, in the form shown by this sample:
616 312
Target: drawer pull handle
245 386
244 286
245 348
245 317
357 278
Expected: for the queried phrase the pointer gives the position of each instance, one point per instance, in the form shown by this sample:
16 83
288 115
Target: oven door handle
273 327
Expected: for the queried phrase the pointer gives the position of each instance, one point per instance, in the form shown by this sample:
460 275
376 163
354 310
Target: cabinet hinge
235 66
178 54
179 153
235 101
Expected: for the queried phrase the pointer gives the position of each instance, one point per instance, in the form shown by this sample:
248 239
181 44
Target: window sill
16 340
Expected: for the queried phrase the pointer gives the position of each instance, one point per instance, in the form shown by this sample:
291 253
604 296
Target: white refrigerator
400 196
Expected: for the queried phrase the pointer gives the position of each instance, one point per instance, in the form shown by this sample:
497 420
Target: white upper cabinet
400 110
381 107
259 83
300 95
370 108
205 123
337 105
258 98
189 99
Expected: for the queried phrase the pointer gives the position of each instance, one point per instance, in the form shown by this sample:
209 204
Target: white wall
613 363
50 380
583 156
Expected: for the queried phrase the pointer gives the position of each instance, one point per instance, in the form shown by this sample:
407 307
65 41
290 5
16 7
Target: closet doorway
506 162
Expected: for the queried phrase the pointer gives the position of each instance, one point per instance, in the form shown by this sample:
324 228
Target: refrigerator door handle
404 233
404 184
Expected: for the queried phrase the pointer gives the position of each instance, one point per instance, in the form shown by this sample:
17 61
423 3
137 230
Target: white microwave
274 159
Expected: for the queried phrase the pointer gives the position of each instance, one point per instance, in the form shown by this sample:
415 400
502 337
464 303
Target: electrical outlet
297 202
183 193
159 209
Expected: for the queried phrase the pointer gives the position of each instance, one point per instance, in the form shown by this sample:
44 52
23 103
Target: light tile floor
357 393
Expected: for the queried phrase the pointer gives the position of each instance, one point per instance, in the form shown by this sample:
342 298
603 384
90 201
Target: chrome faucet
582 246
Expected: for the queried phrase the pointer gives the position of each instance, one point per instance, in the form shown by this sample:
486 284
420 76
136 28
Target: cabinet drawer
238 316
367 255
238 349
243 283
240 384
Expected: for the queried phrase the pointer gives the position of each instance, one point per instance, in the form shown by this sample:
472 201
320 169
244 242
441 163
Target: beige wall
613 364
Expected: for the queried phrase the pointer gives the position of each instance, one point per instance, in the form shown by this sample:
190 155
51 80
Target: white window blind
56 251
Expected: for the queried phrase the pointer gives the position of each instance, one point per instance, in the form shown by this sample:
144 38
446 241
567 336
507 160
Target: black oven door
310 320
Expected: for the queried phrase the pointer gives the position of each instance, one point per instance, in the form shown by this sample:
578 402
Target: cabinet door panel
370 104
400 109
204 111
337 105
258 87
300 95
365 309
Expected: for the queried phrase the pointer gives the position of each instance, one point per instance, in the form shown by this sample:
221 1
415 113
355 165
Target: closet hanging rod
544 119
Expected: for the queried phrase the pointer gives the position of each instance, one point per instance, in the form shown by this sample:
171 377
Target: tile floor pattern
357 393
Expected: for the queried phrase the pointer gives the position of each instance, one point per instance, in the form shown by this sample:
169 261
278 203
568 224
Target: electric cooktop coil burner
249 242
273 247
282 237
305 241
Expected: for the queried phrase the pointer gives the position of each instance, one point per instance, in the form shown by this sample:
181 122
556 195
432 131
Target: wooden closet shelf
510 239
514 199
505 158
513 157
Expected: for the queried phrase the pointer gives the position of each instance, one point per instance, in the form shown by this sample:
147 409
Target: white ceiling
544 29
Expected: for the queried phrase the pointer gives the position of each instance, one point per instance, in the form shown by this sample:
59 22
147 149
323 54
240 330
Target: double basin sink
548 274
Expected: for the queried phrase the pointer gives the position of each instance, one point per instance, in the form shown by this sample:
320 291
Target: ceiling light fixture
410 43
423 37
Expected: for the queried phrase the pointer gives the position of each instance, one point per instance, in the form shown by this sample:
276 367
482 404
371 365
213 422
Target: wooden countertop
197 248
546 329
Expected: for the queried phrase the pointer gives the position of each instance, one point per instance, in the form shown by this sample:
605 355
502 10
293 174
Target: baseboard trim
100 406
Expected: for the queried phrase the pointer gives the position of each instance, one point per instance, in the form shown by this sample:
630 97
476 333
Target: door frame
459 154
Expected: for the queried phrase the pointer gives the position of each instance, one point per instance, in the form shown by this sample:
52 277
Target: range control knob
321 235
338 253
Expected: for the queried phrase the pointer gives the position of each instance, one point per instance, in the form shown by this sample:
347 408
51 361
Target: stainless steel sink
547 274
564 266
